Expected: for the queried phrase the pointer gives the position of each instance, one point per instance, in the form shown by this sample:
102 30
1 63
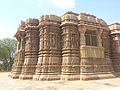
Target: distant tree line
7 53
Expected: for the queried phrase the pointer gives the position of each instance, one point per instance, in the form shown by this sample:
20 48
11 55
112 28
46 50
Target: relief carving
55 48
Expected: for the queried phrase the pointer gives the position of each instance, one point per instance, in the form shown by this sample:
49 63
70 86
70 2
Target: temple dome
33 21
114 26
22 24
50 17
102 22
69 16
91 19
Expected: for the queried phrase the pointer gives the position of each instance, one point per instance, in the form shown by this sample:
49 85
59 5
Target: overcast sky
13 11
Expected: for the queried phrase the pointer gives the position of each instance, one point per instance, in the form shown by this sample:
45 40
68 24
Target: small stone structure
71 47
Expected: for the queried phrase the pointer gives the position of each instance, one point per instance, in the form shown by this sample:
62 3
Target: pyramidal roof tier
114 26
67 18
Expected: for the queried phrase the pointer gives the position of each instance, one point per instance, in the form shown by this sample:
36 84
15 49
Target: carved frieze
71 47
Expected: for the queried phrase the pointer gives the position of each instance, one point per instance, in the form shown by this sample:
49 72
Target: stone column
18 44
49 61
115 47
107 62
19 59
15 68
70 48
99 34
115 52
31 49
82 30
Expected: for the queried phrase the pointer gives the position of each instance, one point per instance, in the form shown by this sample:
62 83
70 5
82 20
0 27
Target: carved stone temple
71 47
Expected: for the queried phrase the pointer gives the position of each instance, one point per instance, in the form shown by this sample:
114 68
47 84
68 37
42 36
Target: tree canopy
7 53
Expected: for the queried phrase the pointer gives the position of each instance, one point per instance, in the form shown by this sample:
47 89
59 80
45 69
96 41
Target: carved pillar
115 52
70 48
70 53
82 30
49 61
107 65
19 59
31 49
15 68
99 33
115 47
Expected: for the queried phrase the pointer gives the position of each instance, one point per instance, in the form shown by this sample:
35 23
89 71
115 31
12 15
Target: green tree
7 52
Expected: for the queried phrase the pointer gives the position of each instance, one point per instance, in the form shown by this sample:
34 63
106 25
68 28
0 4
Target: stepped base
36 77
23 77
70 77
96 76
15 75
117 74
49 76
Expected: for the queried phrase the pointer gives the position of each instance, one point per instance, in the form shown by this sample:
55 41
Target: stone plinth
93 64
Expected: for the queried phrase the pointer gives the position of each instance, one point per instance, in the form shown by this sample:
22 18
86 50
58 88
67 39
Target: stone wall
71 47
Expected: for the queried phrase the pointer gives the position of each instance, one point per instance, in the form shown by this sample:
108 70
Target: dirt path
7 83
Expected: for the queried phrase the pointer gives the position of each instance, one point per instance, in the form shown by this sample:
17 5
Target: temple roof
20 28
67 18
91 18
85 17
114 26
50 17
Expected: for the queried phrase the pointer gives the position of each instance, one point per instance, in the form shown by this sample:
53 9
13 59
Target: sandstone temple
71 47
